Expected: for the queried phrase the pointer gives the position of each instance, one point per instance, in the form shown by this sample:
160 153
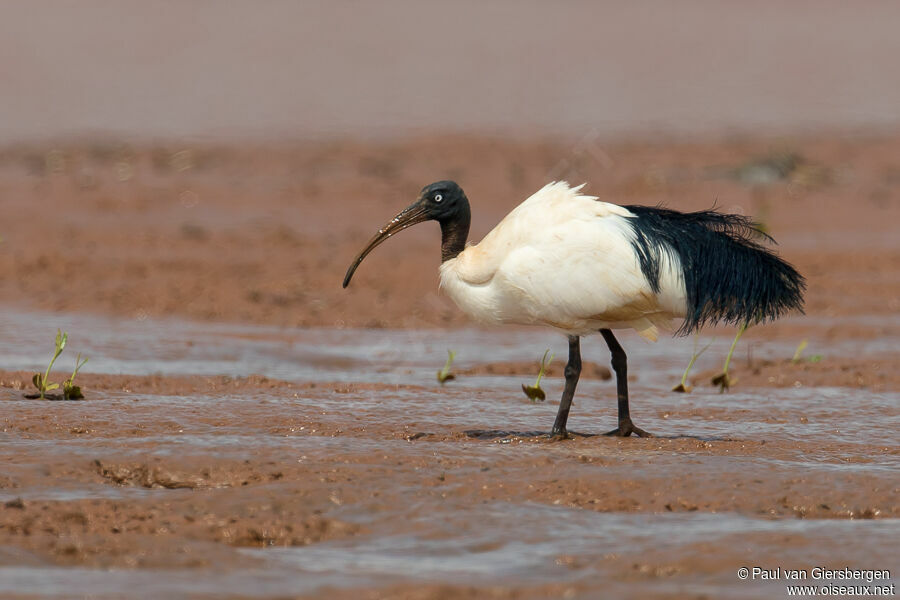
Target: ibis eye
438 197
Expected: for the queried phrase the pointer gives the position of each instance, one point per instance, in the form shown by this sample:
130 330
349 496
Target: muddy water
352 469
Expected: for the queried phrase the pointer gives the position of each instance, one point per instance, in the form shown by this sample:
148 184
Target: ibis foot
558 435
626 428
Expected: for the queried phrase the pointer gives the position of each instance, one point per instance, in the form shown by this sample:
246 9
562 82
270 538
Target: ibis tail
729 276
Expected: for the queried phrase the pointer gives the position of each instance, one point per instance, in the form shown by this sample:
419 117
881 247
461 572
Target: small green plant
534 392
723 380
444 375
798 354
70 390
42 382
799 351
683 387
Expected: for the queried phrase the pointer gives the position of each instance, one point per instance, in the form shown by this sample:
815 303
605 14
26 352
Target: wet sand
253 430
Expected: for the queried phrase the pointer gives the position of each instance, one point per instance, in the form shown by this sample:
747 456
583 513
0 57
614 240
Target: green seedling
70 390
723 380
683 387
534 392
42 382
799 351
798 354
444 375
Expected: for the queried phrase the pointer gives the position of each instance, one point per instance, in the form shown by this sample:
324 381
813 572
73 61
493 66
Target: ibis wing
564 260
577 277
554 206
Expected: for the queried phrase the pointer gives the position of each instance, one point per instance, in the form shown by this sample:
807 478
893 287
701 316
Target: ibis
567 260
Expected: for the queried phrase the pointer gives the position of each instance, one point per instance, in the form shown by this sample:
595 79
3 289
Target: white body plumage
564 260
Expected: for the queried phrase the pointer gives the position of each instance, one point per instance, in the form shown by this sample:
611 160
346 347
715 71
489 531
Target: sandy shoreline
195 473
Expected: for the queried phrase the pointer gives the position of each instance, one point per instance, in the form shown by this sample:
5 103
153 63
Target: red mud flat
264 234
349 473
259 487
355 477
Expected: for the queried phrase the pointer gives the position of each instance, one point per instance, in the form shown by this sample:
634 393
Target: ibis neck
454 233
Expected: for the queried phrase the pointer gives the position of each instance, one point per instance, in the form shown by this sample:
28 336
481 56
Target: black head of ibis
442 201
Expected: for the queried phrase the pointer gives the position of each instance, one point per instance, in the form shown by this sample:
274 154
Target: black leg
573 371
620 366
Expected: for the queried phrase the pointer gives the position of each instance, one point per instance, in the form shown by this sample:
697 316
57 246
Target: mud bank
264 234
252 430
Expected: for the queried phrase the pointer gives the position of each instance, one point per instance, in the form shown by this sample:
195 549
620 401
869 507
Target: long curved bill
409 216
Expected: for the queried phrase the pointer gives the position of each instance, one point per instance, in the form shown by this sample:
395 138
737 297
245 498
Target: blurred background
226 160
317 68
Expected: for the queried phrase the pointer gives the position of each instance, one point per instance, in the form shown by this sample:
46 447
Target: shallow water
480 547
176 347
480 431
497 544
